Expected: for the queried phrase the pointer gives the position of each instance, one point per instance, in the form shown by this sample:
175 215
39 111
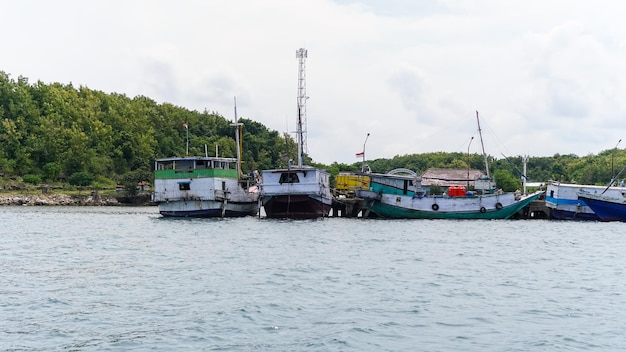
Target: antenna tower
301 55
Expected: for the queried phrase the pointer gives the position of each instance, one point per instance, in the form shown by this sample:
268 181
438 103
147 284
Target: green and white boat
205 186
400 196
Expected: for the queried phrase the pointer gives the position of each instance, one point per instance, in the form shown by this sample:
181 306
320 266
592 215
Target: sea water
127 279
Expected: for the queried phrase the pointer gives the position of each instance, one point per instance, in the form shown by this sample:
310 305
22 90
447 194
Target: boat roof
295 169
575 185
192 158
396 176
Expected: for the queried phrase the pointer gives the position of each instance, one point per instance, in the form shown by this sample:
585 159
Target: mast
237 139
300 139
524 178
483 146
301 55
613 180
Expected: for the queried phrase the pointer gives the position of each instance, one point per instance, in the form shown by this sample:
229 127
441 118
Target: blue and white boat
562 200
565 204
608 207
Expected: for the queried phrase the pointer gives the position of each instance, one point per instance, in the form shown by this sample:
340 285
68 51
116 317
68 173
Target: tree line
51 132
56 132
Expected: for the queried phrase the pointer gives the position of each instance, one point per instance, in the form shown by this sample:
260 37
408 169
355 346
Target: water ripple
126 279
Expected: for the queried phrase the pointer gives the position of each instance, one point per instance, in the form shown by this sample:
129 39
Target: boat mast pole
187 144
299 139
237 140
612 158
363 165
483 146
468 162
613 180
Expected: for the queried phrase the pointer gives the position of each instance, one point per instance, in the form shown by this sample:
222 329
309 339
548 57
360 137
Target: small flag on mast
186 125
360 155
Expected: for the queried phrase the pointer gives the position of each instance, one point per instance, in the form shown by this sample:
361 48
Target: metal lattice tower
301 55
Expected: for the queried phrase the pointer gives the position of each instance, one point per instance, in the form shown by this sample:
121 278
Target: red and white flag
186 125
360 155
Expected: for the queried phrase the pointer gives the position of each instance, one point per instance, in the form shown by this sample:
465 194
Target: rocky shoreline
73 200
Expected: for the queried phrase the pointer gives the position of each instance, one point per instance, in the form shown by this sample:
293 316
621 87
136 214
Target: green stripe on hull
195 173
394 212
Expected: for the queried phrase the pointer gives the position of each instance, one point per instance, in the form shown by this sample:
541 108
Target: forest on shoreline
65 136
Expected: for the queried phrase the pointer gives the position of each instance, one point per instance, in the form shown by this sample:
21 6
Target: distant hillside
52 131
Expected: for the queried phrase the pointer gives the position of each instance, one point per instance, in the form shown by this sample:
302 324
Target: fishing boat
299 191
608 205
564 204
396 195
205 186
399 195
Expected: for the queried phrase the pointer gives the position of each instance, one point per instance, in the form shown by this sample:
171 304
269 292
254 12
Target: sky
545 77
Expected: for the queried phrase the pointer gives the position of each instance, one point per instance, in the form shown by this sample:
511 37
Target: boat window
184 186
289 177
167 166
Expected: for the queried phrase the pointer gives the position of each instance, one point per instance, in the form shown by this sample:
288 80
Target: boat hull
295 207
207 209
606 210
560 214
480 207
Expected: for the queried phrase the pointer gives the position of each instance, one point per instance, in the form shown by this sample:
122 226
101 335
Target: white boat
299 192
205 186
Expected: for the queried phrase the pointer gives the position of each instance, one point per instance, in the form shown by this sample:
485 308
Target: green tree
32 179
506 181
81 179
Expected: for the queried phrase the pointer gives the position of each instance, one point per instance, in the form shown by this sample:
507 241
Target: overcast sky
545 76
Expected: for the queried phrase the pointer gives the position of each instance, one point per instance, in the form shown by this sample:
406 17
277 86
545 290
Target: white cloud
546 77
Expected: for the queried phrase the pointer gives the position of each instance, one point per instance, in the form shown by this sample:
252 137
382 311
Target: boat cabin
303 180
397 184
195 163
